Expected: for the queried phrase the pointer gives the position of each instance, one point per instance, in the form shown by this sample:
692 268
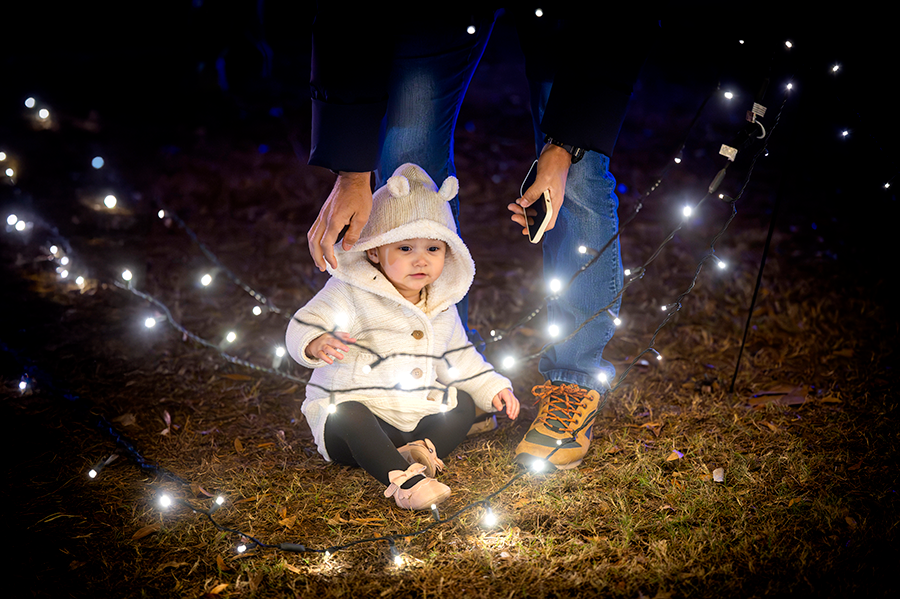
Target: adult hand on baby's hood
348 205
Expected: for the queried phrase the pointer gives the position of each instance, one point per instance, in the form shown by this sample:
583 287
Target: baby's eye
405 248
434 248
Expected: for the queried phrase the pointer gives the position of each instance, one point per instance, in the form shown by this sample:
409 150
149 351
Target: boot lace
559 405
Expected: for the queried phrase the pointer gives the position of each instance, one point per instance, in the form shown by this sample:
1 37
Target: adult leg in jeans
588 217
430 76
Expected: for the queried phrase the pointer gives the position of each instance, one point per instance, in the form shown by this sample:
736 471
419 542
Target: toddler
394 294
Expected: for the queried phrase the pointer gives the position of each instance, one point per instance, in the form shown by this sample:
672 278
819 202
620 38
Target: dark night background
150 79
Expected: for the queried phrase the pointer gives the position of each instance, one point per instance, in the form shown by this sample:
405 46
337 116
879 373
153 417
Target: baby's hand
512 404
326 347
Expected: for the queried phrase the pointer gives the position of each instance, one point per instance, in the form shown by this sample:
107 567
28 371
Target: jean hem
576 378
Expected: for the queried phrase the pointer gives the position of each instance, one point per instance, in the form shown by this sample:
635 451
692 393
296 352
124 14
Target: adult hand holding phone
552 170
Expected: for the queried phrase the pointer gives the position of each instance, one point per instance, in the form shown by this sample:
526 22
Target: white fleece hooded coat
410 382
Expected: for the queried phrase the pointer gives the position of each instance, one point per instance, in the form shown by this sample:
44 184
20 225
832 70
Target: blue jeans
430 76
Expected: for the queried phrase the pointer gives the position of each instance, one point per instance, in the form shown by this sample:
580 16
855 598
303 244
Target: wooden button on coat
418 334
417 373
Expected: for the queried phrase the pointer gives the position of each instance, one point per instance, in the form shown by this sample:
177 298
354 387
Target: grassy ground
807 503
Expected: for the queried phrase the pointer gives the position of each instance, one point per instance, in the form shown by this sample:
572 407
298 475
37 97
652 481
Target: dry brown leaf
613 449
771 426
221 563
237 377
675 455
786 395
850 521
293 569
288 522
218 588
173 565
794 500
831 399
147 530
264 445
126 419
238 446
282 511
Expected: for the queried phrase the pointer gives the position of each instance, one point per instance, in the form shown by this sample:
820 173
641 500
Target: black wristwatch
577 153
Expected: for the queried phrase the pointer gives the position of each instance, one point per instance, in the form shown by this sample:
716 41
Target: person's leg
430 76
354 437
573 394
447 430
589 218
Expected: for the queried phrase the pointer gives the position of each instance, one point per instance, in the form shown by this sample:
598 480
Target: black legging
356 437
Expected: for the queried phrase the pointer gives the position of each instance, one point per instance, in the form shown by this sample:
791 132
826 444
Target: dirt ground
807 502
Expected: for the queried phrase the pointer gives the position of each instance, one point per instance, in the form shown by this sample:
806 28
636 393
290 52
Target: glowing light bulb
453 372
280 351
627 272
687 210
729 95
97 162
602 377
20 226
741 42
790 86
79 281
555 285
788 44
677 160
508 362
126 274
54 250
721 264
494 333
64 274
835 68
538 12
205 280
470 29
220 500
553 330
92 473
582 249
231 336
341 320
110 201
845 133
366 369
887 185
10 172
398 559
165 500
150 322
161 214
64 260
29 102
664 308
332 408
489 518
257 310
2 156
659 357
327 555
43 113
443 407
22 385
241 548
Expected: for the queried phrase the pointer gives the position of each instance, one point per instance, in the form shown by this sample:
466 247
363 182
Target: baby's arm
327 347
313 327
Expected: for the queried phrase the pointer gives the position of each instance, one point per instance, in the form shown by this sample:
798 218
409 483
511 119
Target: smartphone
537 224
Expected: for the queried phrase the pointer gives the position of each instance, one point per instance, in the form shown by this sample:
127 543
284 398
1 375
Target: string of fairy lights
59 254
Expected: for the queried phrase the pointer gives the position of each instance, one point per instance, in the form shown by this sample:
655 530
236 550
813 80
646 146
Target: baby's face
411 264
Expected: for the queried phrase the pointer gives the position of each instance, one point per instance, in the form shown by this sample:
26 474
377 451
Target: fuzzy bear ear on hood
398 185
449 188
